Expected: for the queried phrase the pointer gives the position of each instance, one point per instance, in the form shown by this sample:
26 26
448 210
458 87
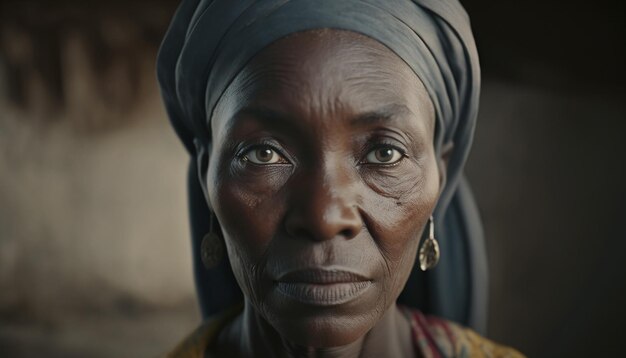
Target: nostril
320 232
347 233
302 233
323 215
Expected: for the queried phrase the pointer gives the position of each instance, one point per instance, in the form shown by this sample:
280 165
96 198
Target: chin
324 331
321 326
323 323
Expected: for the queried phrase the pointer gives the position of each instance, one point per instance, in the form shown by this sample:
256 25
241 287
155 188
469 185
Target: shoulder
433 337
195 345
437 337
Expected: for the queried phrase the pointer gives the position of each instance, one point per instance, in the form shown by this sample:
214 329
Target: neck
250 334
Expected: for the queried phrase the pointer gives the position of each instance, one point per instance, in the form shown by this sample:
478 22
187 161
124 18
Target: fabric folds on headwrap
210 41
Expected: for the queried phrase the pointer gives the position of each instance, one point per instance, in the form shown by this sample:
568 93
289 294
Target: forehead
326 74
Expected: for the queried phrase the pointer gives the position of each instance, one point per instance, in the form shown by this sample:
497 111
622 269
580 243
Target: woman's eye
264 155
384 155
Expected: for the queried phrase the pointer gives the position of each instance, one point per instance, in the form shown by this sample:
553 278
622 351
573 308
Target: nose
324 206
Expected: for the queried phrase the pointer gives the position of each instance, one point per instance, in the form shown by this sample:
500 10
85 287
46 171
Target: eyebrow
383 114
270 118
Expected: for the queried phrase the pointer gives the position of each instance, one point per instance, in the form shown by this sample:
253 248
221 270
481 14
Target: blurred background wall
94 243
94 251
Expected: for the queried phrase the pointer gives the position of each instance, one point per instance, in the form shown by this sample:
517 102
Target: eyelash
241 154
380 145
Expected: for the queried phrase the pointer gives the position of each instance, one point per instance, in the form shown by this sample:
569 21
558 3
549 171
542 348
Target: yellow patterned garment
433 338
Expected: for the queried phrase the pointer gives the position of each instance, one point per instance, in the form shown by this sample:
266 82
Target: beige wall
92 218
93 209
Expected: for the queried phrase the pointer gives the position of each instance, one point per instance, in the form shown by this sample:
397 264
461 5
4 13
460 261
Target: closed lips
321 277
322 287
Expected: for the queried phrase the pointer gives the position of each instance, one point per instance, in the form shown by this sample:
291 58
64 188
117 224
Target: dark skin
322 163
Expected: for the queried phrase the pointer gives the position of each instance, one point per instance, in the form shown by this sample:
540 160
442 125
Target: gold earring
211 248
429 252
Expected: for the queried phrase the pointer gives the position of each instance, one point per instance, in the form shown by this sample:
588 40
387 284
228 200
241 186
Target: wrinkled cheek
398 249
398 228
409 209
248 228
237 210
401 224
248 207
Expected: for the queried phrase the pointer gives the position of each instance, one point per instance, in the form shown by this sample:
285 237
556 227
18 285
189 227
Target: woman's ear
442 163
202 167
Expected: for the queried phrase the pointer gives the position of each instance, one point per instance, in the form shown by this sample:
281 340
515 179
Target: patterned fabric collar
433 337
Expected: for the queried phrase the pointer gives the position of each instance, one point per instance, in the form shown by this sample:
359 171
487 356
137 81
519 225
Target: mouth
322 287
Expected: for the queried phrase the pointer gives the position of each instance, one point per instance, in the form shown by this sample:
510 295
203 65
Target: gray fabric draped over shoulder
210 41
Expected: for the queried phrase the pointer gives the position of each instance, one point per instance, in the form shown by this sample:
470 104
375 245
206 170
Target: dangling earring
429 252
211 248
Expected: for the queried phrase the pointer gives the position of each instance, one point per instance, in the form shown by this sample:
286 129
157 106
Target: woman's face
322 175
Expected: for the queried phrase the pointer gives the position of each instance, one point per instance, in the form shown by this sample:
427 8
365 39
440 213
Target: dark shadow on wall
548 170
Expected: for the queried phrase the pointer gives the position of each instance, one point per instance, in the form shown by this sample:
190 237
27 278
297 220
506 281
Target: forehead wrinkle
265 78
253 84
383 95
386 77
361 70
372 70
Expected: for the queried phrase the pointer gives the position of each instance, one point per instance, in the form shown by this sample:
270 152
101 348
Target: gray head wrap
210 41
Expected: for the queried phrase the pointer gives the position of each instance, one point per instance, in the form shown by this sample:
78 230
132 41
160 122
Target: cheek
246 233
247 204
401 204
248 208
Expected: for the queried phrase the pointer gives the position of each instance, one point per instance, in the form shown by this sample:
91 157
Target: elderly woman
327 142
